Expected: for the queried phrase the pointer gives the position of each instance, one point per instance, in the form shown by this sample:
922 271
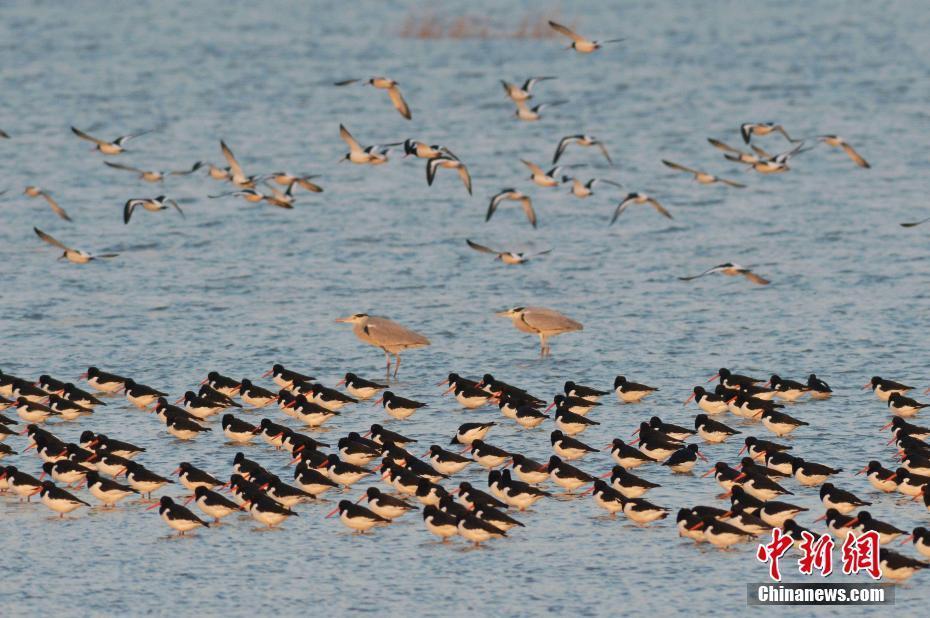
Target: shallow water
236 287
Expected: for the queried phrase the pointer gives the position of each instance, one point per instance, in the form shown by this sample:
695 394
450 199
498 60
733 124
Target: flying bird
541 321
72 255
516 196
914 223
748 129
372 155
731 270
522 93
507 257
150 204
432 165
734 154
383 83
838 142
235 174
386 334
285 179
541 177
153 175
33 191
422 150
581 140
108 148
586 189
702 177
277 198
639 198
775 164
532 114
579 43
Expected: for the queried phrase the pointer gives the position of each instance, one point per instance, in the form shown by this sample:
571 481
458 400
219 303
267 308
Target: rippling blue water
237 287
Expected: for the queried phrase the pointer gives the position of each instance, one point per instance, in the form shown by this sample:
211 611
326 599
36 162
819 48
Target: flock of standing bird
754 484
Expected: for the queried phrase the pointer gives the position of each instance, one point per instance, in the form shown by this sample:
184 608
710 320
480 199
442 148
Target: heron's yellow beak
349 319
503 314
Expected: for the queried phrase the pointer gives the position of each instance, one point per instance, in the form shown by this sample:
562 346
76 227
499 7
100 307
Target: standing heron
385 334
541 321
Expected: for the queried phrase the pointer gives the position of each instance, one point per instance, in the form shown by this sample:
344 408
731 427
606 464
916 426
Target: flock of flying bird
277 188
515 482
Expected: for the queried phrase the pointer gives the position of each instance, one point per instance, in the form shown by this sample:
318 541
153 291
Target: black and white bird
213 504
384 83
818 388
905 407
107 491
507 257
398 407
748 129
639 199
451 163
76 256
108 147
442 524
542 177
153 204
512 195
360 388
702 177
59 500
731 270
580 140
177 516
579 43
356 517
711 430
569 448
843 501
524 92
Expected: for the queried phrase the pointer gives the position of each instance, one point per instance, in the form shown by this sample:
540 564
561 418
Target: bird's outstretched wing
231 159
128 208
679 167
755 278
120 166
565 141
481 248
706 272
855 156
465 176
51 239
196 166
716 143
354 146
619 210
176 207
914 223
528 84
527 204
566 31
122 139
89 138
58 210
732 183
604 152
537 171
659 208
399 103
